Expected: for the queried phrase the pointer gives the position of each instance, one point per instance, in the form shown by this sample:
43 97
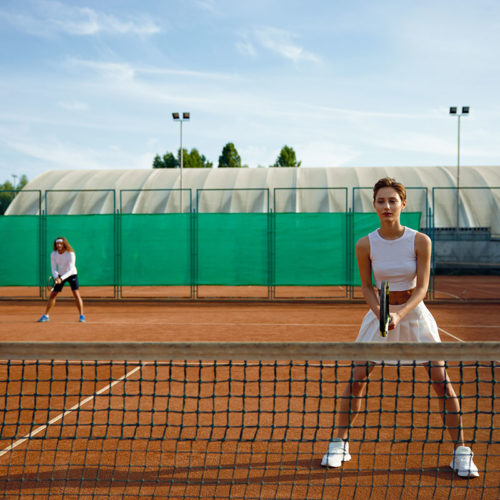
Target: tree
191 159
158 162
167 161
229 157
287 158
7 192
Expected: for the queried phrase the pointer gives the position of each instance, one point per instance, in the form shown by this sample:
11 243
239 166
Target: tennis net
241 420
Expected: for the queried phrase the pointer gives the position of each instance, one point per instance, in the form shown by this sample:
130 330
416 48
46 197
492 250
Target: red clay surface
185 464
442 288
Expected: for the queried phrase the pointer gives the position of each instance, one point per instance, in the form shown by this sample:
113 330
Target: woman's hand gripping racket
385 317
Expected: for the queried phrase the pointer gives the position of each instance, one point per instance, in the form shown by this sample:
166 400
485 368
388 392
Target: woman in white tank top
401 256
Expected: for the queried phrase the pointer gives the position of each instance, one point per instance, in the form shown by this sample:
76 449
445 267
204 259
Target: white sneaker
338 452
462 462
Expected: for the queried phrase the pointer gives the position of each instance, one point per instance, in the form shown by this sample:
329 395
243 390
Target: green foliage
229 157
168 160
157 162
287 158
7 192
191 159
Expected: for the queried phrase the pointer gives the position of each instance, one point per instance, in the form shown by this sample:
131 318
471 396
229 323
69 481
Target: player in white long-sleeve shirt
63 264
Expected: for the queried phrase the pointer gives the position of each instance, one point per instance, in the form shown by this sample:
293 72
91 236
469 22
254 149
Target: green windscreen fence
233 249
260 249
155 249
20 250
311 249
93 237
319 249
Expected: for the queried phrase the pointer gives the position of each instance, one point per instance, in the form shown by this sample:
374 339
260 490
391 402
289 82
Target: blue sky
92 84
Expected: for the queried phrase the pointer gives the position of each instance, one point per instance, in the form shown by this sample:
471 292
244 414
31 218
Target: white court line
183 323
244 323
449 294
105 389
450 334
459 339
67 412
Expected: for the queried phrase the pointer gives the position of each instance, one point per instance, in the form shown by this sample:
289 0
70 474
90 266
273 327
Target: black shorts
73 283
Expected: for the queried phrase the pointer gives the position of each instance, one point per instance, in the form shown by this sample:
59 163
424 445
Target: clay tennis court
286 464
442 288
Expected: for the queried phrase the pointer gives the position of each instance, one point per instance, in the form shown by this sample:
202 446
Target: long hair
66 245
389 182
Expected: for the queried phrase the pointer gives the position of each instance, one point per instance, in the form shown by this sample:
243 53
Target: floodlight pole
458 171
453 112
15 180
185 117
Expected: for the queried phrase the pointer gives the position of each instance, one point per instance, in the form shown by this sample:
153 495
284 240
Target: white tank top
394 260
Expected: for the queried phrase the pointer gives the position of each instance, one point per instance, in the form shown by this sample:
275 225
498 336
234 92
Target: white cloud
246 48
125 71
282 43
113 70
419 142
73 105
208 5
61 155
203 75
54 17
325 153
356 114
254 155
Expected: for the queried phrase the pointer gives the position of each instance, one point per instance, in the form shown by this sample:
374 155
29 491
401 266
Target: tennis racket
385 317
50 284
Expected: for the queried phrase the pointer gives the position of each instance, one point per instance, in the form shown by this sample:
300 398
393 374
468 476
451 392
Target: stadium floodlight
454 112
177 118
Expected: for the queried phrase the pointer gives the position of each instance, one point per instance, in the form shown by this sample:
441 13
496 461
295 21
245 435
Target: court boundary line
450 334
183 323
456 338
70 410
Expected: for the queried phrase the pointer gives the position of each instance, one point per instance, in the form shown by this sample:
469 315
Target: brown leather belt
400 297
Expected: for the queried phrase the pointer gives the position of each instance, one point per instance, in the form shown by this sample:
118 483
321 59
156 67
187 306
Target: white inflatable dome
256 190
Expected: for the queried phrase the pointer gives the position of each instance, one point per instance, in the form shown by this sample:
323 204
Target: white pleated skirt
417 326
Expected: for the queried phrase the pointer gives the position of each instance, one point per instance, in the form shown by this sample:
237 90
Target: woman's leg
448 401
78 300
51 302
350 403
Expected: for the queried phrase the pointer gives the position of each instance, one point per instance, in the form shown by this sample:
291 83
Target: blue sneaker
43 319
82 318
